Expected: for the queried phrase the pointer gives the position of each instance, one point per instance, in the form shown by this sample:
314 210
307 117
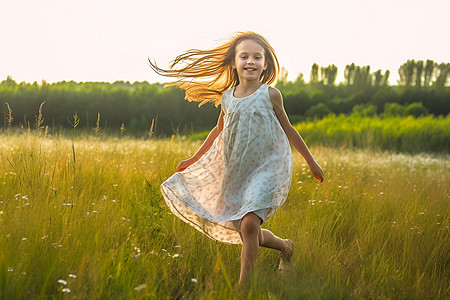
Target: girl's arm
205 146
293 136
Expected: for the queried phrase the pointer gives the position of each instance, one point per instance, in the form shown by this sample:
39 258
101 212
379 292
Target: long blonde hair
206 74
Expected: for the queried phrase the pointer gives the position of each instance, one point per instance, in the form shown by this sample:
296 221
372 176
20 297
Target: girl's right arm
205 146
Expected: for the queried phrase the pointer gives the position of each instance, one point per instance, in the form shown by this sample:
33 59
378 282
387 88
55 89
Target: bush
394 110
364 110
318 111
416 109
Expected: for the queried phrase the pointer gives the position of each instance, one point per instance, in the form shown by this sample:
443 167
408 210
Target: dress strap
269 102
224 101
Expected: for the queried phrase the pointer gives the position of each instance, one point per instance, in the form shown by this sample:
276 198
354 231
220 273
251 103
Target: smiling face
249 60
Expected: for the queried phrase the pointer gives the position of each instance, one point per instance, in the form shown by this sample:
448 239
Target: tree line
423 89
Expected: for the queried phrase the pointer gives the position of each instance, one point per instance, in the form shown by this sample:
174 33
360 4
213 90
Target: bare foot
286 257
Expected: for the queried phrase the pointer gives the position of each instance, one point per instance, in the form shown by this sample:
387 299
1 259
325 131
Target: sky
109 40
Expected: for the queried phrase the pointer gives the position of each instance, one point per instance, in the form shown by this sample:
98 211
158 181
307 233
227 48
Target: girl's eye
243 56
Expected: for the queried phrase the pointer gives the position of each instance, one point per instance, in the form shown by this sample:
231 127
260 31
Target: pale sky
108 40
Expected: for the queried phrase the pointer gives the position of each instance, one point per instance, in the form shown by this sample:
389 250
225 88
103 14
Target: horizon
289 78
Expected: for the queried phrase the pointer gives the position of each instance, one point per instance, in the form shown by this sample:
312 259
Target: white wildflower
62 281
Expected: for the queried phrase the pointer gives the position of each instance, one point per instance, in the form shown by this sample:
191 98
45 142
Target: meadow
84 218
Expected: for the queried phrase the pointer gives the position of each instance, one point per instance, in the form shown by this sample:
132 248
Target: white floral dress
247 169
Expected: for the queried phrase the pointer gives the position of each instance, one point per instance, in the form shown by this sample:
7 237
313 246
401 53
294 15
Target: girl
242 172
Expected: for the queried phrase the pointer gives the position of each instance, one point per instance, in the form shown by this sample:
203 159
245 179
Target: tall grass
378 227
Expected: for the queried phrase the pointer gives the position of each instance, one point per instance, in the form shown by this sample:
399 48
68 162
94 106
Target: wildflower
176 255
140 287
62 281
72 276
194 280
65 290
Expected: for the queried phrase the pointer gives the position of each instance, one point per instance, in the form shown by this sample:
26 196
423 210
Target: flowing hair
206 74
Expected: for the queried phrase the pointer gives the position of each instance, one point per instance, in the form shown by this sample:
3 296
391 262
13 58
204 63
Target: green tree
428 73
406 73
328 75
314 77
282 78
442 75
349 74
418 70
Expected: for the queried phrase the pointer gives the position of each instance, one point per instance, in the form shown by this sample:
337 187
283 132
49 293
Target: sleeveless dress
247 169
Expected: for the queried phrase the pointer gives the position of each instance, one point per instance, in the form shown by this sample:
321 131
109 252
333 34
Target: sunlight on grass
378 227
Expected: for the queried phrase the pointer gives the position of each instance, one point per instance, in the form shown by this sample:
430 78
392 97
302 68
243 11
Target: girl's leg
270 240
251 239
286 248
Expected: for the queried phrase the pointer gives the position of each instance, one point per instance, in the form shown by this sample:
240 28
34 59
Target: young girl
242 173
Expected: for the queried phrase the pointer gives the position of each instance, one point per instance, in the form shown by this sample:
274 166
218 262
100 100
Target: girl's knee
250 225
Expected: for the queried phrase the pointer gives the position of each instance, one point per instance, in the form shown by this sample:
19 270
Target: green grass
400 134
403 134
378 227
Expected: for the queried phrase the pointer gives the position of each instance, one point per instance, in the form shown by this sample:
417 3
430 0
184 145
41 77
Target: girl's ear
265 65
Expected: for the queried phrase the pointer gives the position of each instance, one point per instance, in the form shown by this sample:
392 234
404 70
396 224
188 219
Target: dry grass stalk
9 117
152 128
97 125
39 119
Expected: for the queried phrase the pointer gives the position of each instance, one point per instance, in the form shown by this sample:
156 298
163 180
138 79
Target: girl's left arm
293 136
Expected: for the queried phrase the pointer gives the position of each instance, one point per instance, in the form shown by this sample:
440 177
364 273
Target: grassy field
88 221
400 134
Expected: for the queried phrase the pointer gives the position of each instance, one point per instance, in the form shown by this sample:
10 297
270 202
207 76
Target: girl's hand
184 164
317 171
